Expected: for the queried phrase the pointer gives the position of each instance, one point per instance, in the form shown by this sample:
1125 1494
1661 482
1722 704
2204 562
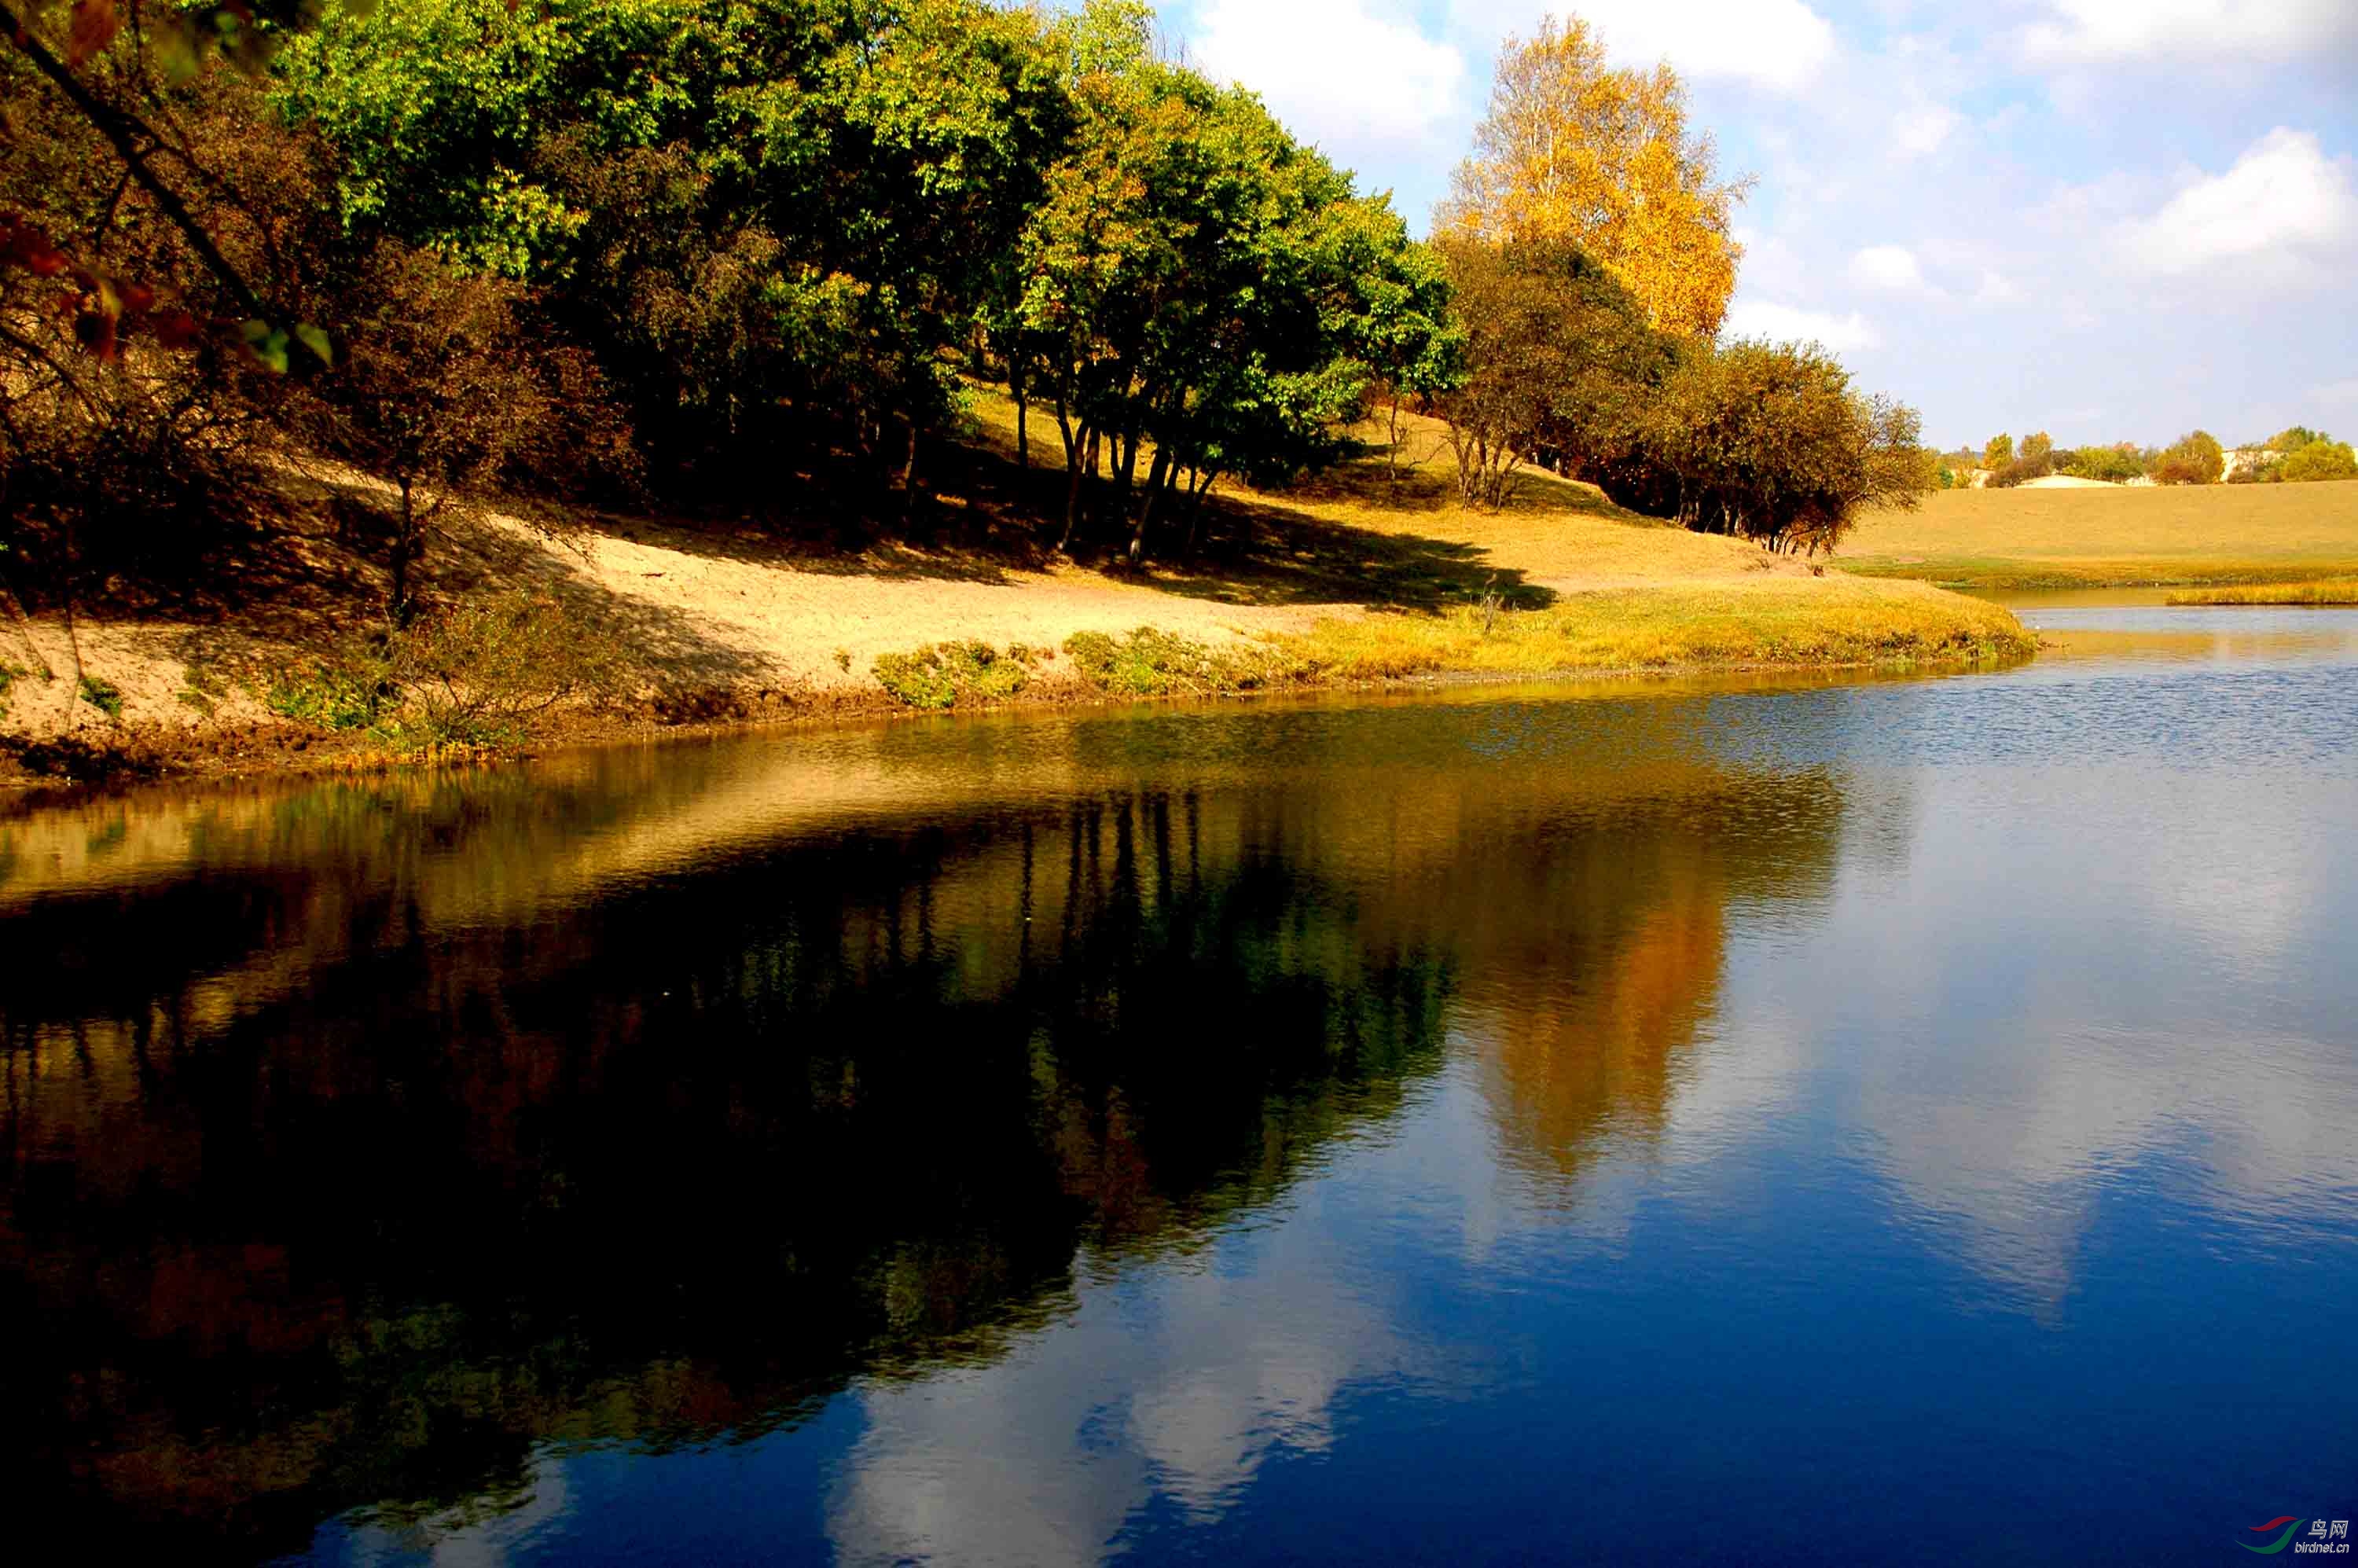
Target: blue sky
2109 219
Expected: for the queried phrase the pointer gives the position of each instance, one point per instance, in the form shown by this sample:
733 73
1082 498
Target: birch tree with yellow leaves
1574 150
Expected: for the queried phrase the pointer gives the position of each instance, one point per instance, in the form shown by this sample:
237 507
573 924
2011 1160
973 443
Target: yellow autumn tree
1573 149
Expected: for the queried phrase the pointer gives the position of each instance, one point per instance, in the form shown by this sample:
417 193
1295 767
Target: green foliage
1152 663
352 689
478 672
473 674
1196 281
2289 441
954 675
1998 452
203 690
2194 459
8 677
1771 442
2322 459
103 694
1559 363
2114 465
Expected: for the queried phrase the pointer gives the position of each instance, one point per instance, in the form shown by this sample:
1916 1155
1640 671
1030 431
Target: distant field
2072 538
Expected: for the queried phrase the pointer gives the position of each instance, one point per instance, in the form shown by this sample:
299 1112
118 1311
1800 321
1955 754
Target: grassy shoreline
1369 576
2325 591
1581 643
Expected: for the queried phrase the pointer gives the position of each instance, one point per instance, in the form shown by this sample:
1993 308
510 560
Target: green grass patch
2333 590
1827 622
349 691
942 676
1151 663
103 694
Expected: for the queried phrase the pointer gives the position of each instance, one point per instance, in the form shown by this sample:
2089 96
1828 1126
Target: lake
1903 1120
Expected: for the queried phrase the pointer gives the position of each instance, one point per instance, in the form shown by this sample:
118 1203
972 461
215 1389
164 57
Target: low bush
1151 663
477 673
103 694
952 675
480 672
351 689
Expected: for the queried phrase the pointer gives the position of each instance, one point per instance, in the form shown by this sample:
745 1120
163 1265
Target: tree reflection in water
346 1166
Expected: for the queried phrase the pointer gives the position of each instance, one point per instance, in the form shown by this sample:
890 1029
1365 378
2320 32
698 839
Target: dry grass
2116 537
2335 590
1782 622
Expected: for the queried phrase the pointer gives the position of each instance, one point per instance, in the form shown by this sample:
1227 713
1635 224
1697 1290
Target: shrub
950 675
2319 459
1151 663
2115 465
2195 459
2021 471
9 674
103 694
351 689
473 674
479 673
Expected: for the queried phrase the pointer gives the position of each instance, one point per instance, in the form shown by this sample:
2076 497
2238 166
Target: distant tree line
2294 455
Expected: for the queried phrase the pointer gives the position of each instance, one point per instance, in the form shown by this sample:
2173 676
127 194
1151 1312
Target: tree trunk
908 476
404 551
1157 478
1124 459
1199 485
1080 456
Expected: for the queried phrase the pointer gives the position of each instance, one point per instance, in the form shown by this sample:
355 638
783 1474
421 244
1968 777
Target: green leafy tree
1561 364
2193 459
1194 284
1403 328
1771 442
2322 459
767 219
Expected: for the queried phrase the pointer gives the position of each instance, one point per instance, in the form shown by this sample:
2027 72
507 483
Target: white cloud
1924 129
2284 202
1996 290
2090 31
1891 269
1776 44
1791 323
1335 74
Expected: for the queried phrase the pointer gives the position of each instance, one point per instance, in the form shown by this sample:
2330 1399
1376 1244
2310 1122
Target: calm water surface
1887 1121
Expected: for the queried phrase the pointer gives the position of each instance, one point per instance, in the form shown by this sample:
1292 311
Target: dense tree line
2295 455
751 252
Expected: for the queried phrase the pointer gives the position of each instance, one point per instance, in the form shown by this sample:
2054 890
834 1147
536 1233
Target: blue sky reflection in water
1900 1120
